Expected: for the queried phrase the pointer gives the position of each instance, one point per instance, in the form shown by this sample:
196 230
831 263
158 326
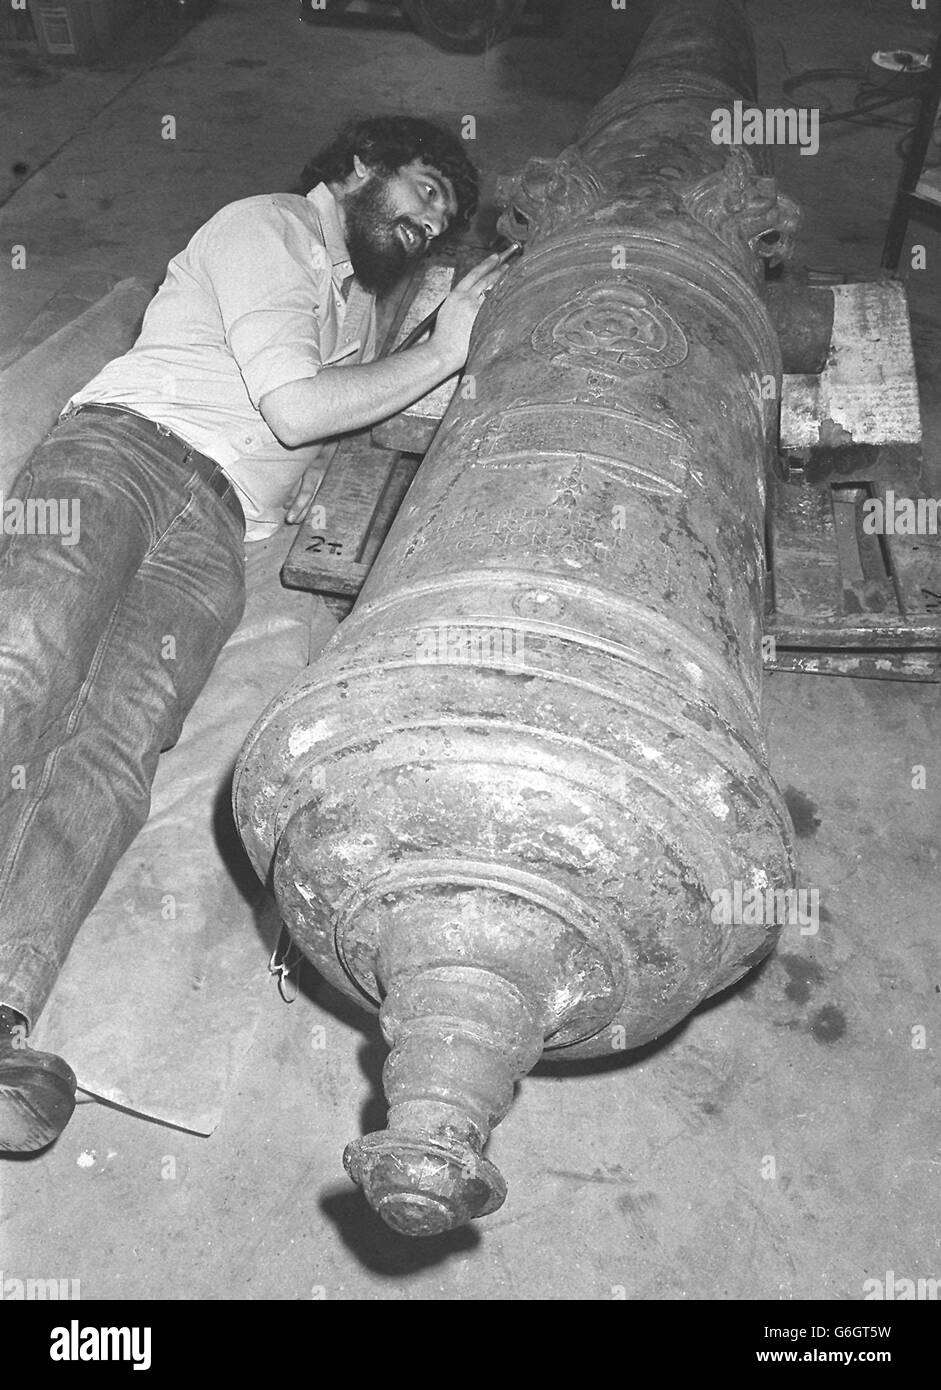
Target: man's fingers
483 284
488 282
298 507
483 287
301 501
477 272
309 485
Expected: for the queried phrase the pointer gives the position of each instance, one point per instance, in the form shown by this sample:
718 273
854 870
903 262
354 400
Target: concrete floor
648 1179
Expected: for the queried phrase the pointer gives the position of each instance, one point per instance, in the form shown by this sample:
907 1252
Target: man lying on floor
255 350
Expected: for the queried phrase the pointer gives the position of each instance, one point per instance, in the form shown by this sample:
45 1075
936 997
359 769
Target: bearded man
256 349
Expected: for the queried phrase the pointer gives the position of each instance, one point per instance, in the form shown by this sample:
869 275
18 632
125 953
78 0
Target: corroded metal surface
501 803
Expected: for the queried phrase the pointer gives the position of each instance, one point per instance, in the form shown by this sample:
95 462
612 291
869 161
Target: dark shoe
37 1093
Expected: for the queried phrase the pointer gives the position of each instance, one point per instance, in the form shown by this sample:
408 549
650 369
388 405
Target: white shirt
252 303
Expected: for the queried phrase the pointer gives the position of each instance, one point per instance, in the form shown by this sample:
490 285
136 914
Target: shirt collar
331 230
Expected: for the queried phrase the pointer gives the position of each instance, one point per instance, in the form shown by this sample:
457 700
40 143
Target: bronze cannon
499 806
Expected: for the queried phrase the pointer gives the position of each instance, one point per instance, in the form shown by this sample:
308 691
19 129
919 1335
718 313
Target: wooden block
884 665
405 433
805 558
867 584
430 288
888 631
860 418
398 481
392 308
355 504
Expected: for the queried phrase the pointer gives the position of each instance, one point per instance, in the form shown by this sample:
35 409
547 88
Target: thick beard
378 257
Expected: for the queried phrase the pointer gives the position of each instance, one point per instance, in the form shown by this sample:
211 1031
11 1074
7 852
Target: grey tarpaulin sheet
158 1000
35 387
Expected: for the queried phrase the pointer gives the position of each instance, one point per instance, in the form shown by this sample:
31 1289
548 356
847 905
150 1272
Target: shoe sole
37 1098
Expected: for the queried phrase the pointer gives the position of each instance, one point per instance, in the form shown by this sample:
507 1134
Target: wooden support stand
354 508
844 600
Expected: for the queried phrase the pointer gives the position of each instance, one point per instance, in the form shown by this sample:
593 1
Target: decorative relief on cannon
548 194
745 209
622 327
652 456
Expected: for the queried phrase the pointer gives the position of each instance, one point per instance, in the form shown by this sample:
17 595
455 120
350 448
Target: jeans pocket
184 516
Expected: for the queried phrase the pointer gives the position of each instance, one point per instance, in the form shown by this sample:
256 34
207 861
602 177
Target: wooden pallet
842 601
355 505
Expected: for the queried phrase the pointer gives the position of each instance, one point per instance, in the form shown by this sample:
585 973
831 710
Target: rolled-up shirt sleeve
272 282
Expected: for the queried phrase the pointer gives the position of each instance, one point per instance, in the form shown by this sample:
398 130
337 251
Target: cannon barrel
501 805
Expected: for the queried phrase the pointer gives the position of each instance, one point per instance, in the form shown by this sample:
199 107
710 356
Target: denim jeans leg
110 642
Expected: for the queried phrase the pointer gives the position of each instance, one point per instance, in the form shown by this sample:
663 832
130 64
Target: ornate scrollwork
547 194
744 209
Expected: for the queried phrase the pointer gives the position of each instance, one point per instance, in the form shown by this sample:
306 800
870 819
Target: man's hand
306 488
456 317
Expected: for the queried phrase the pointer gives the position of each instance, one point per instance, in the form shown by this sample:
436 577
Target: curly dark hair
385 144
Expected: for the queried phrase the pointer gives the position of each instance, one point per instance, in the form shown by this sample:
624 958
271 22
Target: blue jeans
108 632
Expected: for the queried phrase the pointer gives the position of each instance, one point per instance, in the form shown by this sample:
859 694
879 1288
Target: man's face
391 219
